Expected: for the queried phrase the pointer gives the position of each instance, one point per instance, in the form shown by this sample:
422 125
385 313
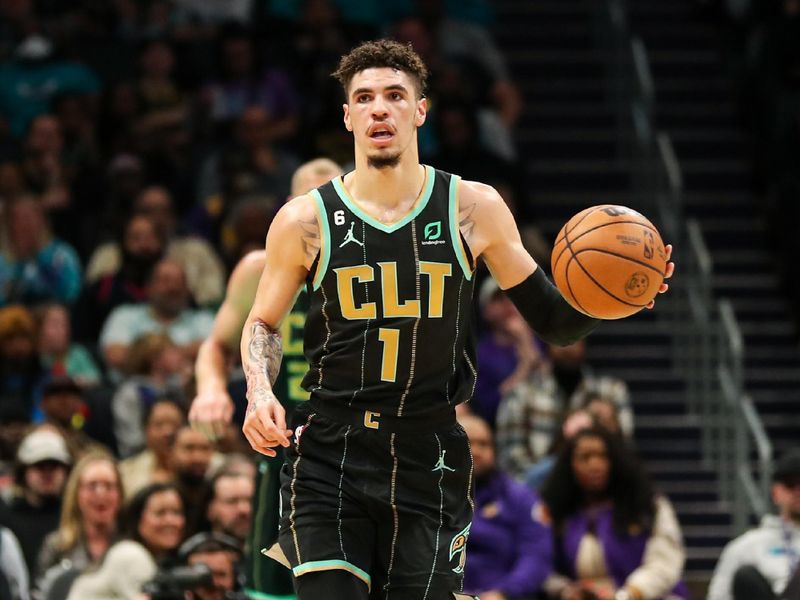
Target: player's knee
335 584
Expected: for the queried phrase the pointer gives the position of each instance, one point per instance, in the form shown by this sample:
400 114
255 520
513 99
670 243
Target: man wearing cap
759 564
43 463
62 401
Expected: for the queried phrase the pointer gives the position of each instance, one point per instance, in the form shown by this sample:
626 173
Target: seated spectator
88 526
507 353
167 310
538 402
162 420
141 248
230 509
157 369
222 555
14 581
244 82
252 164
193 459
604 411
33 512
758 564
154 522
35 76
58 354
63 407
613 533
41 268
20 371
204 270
509 550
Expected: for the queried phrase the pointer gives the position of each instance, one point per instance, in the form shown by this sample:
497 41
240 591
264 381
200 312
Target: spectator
64 408
20 371
58 354
41 267
192 462
507 353
244 82
14 582
221 554
43 167
89 515
34 77
141 248
162 420
204 270
230 508
612 532
251 165
510 550
565 382
43 464
167 310
758 564
157 369
154 529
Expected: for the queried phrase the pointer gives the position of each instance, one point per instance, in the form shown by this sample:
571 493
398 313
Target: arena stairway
567 142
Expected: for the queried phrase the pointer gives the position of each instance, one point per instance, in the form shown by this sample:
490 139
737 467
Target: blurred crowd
144 148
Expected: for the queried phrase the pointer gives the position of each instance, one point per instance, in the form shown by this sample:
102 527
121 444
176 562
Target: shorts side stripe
439 529
331 565
341 479
395 518
293 502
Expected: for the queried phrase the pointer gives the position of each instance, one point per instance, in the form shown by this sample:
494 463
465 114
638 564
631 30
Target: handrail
670 161
731 328
645 87
699 250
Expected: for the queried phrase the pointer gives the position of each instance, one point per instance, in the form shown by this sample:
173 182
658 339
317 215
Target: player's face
383 111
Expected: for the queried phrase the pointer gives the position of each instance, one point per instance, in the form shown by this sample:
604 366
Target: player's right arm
293 243
212 408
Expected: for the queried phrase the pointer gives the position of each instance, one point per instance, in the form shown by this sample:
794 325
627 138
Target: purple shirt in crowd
508 549
495 363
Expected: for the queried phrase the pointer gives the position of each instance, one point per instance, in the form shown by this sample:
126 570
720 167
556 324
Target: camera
172 583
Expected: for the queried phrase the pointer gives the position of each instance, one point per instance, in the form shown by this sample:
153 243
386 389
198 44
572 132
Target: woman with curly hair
614 536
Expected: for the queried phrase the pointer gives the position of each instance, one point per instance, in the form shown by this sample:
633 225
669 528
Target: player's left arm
491 233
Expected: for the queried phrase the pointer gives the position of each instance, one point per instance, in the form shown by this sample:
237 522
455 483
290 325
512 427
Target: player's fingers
670 270
664 287
279 419
668 250
258 442
271 431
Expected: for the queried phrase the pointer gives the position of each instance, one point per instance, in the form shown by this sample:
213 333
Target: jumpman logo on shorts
350 237
440 466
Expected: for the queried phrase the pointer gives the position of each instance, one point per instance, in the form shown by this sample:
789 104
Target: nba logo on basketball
649 244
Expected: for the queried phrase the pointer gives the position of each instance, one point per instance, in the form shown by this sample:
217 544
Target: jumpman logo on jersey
440 466
350 237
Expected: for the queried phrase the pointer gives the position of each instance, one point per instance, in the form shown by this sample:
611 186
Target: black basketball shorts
387 500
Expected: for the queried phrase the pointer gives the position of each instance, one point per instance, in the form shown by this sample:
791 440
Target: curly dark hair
383 53
629 488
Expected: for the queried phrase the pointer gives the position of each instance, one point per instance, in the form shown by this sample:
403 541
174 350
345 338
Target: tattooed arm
290 252
491 232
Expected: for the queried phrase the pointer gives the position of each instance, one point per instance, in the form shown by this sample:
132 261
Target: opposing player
213 408
377 485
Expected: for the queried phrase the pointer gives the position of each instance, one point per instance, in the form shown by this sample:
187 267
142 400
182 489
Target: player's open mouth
381 133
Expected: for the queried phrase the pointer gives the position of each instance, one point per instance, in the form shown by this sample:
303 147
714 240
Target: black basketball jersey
389 328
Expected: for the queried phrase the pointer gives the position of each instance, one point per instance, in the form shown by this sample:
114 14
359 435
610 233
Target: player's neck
390 186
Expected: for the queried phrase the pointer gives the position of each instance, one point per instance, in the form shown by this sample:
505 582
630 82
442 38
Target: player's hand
265 422
670 270
492 595
211 413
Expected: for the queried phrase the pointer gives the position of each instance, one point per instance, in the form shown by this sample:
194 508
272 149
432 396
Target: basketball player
212 409
377 485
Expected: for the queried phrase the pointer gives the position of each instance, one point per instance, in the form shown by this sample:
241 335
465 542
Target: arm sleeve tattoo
265 352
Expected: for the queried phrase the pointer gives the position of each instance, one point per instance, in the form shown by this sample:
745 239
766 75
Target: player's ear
422 111
347 124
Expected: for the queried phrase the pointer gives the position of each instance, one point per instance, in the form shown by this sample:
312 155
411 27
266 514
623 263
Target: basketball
608 261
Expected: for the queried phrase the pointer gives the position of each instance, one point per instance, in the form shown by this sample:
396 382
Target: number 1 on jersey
391 345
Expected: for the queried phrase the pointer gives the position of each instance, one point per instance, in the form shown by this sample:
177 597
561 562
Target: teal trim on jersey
324 238
329 565
423 201
455 235
254 595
